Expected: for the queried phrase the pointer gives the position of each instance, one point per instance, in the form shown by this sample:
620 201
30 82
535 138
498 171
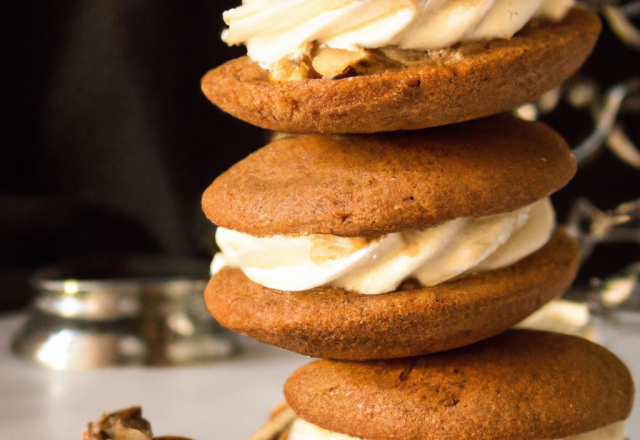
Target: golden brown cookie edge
507 74
330 323
520 384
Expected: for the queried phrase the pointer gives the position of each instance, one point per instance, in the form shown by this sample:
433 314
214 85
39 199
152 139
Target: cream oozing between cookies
303 430
376 265
274 30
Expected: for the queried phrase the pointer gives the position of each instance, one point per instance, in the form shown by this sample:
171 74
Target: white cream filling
277 29
380 265
303 430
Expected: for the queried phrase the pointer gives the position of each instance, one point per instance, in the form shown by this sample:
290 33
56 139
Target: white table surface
227 400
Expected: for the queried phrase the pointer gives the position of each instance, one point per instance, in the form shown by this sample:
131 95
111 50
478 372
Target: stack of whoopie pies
390 236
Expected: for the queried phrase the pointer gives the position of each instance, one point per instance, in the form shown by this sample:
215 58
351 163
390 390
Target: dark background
106 142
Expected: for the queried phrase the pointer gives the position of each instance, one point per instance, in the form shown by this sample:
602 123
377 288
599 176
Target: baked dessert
461 67
518 385
125 424
390 245
374 184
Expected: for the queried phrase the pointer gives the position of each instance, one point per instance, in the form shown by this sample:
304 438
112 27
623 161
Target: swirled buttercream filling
303 430
376 265
297 39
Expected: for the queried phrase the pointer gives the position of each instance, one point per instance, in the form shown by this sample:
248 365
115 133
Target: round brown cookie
518 385
329 322
475 80
388 182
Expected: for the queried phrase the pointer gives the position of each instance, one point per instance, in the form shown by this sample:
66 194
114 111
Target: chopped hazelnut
330 62
286 70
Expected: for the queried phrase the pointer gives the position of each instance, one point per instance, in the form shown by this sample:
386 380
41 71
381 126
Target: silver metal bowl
139 310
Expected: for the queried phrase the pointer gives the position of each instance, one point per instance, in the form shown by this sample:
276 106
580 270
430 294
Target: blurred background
107 143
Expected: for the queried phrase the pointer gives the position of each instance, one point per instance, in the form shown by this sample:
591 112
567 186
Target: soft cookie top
382 183
518 385
399 86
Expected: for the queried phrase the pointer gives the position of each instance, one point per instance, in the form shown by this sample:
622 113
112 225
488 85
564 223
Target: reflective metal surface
134 311
616 297
590 226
